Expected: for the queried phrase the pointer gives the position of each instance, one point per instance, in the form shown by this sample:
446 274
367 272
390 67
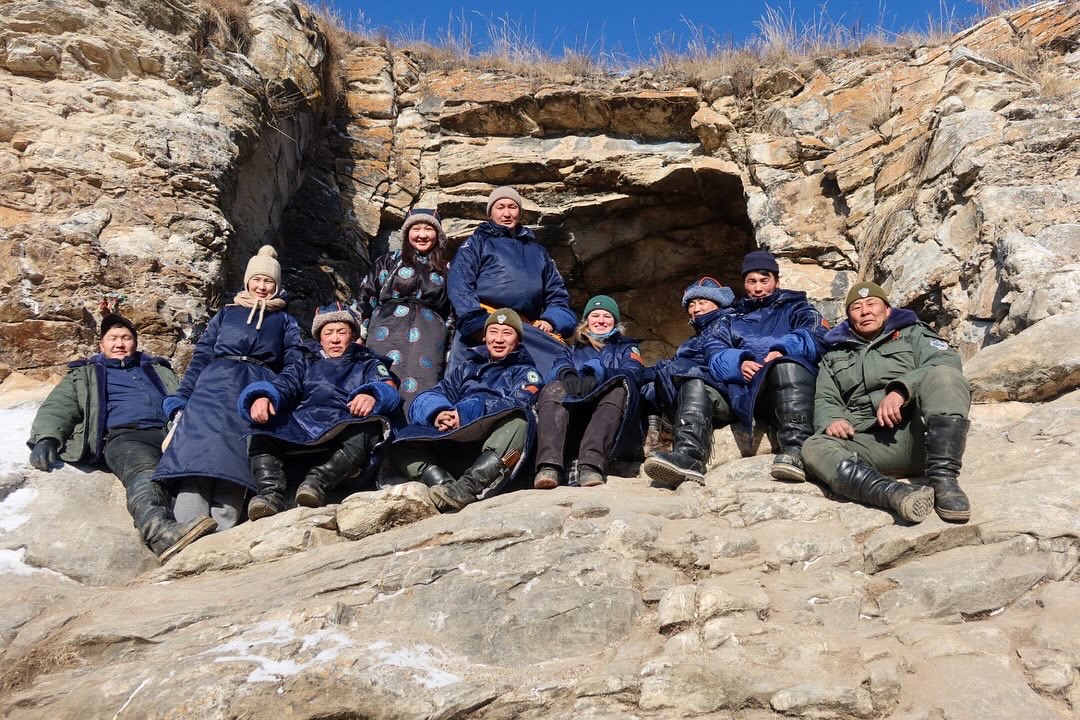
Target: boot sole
542 482
787 473
917 506
258 509
668 475
953 515
204 528
307 498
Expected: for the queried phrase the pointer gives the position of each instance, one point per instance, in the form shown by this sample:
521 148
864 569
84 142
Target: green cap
505 316
601 302
865 290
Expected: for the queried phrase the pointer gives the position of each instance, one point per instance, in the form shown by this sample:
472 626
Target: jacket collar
780 297
703 321
493 230
898 319
138 358
479 354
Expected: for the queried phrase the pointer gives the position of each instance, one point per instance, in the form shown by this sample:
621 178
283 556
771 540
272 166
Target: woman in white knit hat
404 307
504 265
251 339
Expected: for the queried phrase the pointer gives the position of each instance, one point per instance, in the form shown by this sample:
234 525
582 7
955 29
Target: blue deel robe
482 391
618 362
691 361
500 267
209 438
784 321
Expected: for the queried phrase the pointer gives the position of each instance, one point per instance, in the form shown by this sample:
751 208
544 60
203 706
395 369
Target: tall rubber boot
946 438
269 476
347 463
488 471
866 485
691 440
793 399
148 504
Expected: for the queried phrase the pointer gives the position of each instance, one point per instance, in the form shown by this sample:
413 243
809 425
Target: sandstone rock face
618 601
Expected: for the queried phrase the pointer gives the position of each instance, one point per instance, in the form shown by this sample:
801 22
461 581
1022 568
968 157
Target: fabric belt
243 358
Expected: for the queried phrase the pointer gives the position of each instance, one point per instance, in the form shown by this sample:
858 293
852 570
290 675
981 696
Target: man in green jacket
891 398
108 409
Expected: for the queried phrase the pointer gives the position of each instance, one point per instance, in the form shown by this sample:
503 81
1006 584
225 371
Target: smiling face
700 306
505 212
600 322
760 284
336 337
501 340
423 237
868 315
117 344
263 287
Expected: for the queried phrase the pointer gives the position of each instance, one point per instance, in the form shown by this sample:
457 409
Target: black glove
44 454
579 384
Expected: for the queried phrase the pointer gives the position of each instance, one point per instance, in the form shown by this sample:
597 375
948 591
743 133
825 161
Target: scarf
246 299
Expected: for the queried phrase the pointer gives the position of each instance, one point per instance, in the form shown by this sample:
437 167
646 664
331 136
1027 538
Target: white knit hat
264 263
428 217
503 193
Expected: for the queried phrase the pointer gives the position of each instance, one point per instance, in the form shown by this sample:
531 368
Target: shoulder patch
532 376
938 344
635 350
381 370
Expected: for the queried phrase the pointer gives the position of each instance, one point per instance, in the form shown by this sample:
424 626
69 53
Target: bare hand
261 410
362 405
447 420
772 356
889 411
840 429
543 325
749 369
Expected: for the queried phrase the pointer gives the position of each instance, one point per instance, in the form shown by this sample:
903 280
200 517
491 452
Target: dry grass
1037 66
224 27
340 39
51 656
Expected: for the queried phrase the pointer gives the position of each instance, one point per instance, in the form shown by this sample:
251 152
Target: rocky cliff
147 147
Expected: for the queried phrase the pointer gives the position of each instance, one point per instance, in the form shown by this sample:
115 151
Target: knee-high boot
793 402
691 440
946 438
866 485
148 503
269 476
488 471
347 463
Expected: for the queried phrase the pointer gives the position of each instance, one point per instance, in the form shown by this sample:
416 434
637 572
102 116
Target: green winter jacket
856 375
74 412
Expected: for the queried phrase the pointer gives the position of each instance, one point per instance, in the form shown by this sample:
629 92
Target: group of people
469 372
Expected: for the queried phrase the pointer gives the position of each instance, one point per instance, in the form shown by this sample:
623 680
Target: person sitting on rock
502 264
108 408
253 338
470 433
591 398
686 393
338 400
891 399
404 307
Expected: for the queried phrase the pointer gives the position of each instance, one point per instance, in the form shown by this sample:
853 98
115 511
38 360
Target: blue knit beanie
708 288
760 261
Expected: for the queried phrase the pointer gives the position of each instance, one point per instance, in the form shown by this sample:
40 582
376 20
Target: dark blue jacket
210 438
691 361
500 267
784 321
311 398
618 362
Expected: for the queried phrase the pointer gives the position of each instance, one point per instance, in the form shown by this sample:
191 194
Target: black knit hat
761 261
113 320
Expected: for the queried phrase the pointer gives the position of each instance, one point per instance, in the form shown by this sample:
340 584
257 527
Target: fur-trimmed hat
760 261
426 216
503 193
505 316
602 302
862 290
334 312
113 320
708 288
264 263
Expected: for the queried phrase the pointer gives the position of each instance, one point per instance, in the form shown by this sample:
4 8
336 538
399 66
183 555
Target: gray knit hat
708 288
426 216
334 312
503 193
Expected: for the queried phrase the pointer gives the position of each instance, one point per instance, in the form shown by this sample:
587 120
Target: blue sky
630 29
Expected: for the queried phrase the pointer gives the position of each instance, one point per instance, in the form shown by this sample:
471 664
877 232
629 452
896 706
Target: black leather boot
488 470
691 440
269 476
866 485
792 388
347 463
148 503
434 475
946 438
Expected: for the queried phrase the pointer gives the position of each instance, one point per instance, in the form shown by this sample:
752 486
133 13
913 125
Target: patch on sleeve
939 344
533 377
381 370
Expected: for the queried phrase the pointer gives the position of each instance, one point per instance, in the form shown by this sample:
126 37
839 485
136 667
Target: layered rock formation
139 158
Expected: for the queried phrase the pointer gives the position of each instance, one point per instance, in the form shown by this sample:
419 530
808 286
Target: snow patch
12 563
278 634
12 509
418 658
15 425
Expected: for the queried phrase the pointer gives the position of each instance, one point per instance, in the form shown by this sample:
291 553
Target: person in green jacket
107 409
891 399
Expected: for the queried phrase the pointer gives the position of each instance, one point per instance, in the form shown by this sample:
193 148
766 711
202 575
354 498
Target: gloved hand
44 454
579 384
